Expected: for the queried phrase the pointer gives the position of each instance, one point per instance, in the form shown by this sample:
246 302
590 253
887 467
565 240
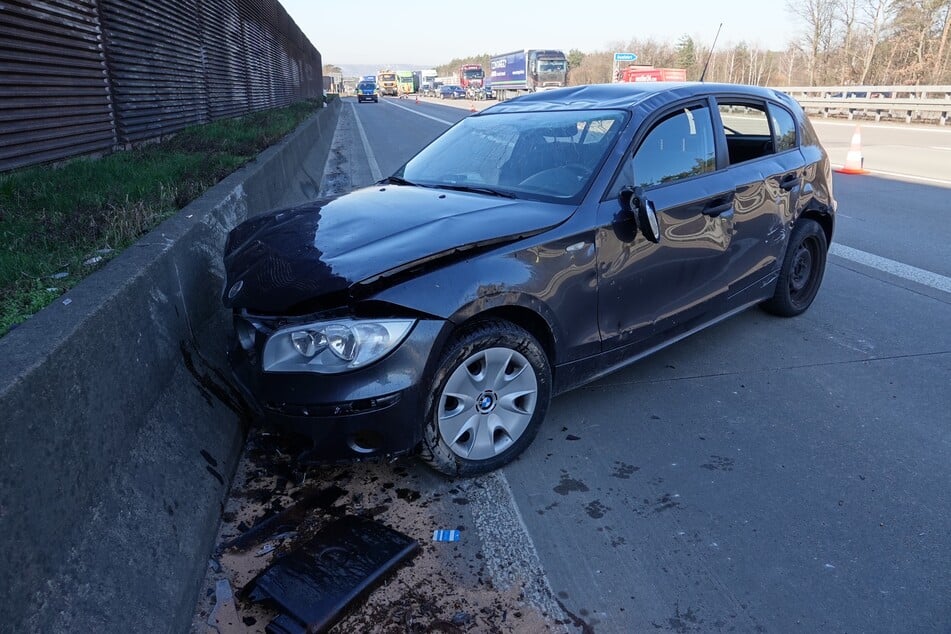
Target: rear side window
783 127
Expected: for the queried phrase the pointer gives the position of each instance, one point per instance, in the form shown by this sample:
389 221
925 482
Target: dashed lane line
893 267
417 112
371 158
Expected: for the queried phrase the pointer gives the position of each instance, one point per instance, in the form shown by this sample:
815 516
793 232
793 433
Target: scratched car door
767 169
648 290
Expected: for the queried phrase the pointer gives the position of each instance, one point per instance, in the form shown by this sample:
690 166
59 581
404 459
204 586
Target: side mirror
633 201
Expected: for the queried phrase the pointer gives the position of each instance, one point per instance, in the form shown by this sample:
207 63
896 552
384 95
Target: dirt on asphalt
279 501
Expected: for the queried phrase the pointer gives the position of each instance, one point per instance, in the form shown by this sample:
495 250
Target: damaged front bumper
371 412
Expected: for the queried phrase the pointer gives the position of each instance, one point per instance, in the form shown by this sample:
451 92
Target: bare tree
941 56
846 15
789 60
878 14
911 38
819 16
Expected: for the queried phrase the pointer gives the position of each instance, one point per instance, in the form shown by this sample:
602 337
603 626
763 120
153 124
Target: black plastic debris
287 520
313 585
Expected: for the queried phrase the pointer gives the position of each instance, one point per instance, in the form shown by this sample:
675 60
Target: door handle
789 181
717 206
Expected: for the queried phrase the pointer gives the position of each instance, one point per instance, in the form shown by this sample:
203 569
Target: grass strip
59 223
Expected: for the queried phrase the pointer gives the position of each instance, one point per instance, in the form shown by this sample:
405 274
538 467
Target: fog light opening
365 441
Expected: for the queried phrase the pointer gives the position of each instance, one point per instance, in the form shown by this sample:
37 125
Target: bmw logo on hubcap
486 402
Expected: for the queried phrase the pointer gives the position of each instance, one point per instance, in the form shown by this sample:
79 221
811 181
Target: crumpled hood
280 259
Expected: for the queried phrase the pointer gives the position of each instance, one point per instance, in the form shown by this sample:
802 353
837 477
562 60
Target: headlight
334 346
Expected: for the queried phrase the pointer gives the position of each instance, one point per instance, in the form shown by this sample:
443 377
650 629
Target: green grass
60 223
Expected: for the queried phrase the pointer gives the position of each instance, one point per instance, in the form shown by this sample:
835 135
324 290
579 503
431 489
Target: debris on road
224 617
314 584
279 502
445 535
287 520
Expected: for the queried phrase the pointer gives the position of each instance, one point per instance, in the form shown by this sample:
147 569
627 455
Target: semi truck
471 76
529 70
386 83
406 82
427 81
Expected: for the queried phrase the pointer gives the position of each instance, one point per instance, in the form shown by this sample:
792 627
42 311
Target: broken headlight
333 346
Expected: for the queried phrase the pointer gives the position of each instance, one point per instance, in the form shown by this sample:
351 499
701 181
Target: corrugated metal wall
82 76
54 96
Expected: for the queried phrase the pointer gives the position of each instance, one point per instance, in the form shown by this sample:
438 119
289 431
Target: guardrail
930 104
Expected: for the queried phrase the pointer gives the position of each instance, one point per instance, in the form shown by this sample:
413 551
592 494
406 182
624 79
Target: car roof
629 95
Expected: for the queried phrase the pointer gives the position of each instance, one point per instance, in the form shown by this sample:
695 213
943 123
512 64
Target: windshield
551 65
365 85
551 156
388 77
474 73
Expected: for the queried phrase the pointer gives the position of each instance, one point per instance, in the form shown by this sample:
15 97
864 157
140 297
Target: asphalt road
768 474
919 152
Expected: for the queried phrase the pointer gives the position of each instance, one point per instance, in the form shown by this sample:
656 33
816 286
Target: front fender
461 292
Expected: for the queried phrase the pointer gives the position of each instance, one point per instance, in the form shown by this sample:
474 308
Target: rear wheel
803 267
489 396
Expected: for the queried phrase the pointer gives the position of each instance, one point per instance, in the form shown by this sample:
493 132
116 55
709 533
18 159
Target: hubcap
801 269
487 403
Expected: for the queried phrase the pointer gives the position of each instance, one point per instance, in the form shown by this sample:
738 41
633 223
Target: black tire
803 267
520 364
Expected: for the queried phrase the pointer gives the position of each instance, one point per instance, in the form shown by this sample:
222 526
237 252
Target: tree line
840 42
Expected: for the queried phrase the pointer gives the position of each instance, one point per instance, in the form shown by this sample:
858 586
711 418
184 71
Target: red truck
471 77
642 73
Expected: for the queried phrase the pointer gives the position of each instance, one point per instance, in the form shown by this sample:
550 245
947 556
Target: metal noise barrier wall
87 76
54 99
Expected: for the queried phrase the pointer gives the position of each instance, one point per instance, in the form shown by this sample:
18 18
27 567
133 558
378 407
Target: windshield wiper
478 190
397 180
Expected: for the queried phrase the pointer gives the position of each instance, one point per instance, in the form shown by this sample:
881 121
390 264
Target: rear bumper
372 412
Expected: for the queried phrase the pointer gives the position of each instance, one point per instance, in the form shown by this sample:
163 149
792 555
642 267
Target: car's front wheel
803 268
489 396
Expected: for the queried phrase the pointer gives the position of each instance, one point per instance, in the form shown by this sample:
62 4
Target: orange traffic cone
472 108
417 100
854 161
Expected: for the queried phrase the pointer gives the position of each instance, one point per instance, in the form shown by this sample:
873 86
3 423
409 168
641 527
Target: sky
421 33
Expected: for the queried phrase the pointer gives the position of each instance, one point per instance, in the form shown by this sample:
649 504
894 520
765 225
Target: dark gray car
533 247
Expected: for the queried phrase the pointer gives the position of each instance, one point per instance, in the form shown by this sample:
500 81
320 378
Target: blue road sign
624 57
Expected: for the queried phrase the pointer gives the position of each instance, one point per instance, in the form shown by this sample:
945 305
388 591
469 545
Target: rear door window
747 131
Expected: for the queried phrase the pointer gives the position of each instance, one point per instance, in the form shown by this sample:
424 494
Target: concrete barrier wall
118 429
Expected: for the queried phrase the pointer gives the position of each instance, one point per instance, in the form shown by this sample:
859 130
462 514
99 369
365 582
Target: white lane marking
417 112
878 126
923 179
941 147
510 554
904 271
375 172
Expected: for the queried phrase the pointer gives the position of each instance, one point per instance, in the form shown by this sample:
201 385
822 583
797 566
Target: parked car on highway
452 92
366 91
532 248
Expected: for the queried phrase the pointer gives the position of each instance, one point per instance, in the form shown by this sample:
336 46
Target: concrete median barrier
119 430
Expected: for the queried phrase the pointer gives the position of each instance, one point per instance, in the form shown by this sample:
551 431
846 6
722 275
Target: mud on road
279 501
